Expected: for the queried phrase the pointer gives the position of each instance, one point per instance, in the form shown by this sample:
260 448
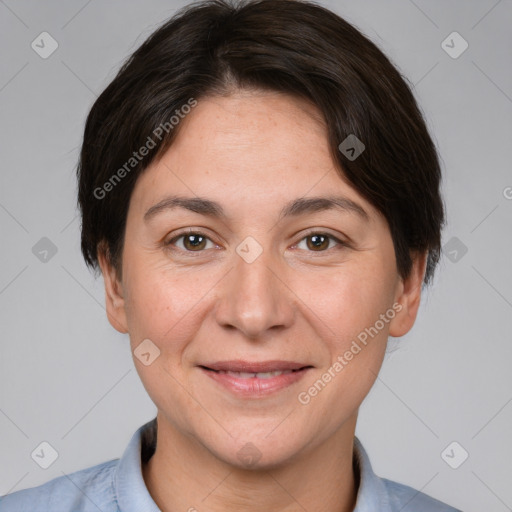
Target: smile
236 377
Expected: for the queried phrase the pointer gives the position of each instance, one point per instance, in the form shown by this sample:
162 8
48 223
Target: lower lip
254 386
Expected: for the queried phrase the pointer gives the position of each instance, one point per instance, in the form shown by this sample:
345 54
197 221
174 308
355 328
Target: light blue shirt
118 486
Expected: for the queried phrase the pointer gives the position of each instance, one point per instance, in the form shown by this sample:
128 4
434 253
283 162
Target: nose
254 298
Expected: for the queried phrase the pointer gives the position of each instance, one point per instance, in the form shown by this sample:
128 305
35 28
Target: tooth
259 375
241 375
267 375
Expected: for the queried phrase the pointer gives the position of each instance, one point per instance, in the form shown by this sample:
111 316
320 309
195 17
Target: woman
261 194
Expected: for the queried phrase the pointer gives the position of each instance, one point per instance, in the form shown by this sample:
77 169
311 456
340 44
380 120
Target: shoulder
407 499
376 493
86 490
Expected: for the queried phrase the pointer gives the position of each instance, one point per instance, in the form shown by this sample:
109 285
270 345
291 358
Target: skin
253 152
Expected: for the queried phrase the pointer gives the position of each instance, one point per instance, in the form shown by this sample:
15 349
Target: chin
254 449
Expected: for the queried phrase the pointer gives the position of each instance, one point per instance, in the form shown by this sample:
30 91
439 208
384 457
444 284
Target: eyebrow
300 206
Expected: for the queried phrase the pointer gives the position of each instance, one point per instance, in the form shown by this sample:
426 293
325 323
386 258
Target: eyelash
340 243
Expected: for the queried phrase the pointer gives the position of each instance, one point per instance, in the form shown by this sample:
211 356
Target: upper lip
239 365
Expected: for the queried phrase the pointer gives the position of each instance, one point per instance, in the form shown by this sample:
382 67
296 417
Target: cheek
159 298
168 308
356 298
351 308
349 321
163 308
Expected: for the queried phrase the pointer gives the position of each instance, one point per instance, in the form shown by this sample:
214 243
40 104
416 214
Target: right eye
192 241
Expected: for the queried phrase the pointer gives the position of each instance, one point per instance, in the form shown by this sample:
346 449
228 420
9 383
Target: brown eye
191 242
321 242
317 242
194 242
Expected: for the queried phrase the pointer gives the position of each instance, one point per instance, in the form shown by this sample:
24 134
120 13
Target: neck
183 475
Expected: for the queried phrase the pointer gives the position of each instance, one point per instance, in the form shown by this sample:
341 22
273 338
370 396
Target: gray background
66 377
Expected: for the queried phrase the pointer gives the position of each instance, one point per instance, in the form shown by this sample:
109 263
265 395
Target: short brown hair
291 46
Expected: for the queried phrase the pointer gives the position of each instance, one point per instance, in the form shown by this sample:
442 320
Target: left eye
319 242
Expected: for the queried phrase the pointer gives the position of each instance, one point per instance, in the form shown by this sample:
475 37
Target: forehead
263 148
249 129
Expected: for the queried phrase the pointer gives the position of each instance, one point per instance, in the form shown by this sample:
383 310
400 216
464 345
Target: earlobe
409 297
114 299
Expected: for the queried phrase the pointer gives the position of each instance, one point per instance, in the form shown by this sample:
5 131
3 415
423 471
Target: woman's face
267 275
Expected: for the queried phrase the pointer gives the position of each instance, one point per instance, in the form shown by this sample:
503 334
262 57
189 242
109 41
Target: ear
408 295
114 299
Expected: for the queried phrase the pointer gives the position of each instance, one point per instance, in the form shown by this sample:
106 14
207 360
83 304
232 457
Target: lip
255 387
239 365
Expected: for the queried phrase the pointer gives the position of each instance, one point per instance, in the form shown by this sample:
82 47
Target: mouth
255 379
255 375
